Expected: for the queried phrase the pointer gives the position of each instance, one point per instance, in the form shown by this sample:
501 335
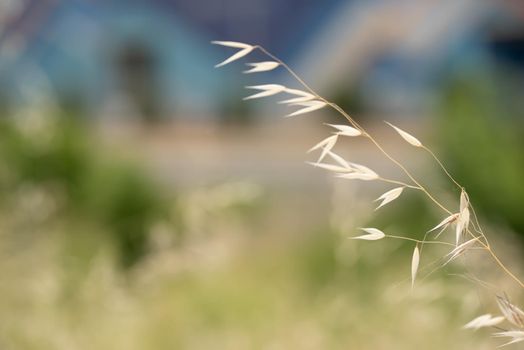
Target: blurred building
122 57
152 59
110 57
395 54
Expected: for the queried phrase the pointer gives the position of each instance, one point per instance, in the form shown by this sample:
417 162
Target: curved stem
504 268
418 240
476 222
397 183
443 167
286 67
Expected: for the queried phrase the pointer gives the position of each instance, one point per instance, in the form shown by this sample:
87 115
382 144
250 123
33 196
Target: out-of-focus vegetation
304 294
56 159
482 128
197 277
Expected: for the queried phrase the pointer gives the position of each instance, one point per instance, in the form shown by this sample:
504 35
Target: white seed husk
267 90
389 196
330 167
444 223
373 234
346 130
235 57
414 265
261 66
309 106
483 321
406 136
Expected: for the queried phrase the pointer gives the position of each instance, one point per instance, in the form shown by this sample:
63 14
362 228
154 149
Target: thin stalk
286 67
443 167
380 178
418 240
503 267
478 228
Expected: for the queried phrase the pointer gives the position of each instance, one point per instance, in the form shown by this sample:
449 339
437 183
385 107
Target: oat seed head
515 335
358 176
372 234
446 222
330 167
414 265
406 136
309 106
267 90
484 321
261 66
346 130
389 196
341 161
326 145
512 313
245 50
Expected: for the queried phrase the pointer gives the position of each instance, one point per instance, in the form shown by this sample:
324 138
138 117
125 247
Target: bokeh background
144 205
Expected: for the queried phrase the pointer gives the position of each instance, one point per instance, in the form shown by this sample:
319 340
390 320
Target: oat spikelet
261 66
406 136
324 142
446 222
372 234
360 172
364 170
483 321
233 44
516 337
512 313
309 106
459 250
346 130
245 50
463 218
464 200
358 176
303 96
267 90
414 265
293 100
326 145
341 161
330 167
298 92
389 196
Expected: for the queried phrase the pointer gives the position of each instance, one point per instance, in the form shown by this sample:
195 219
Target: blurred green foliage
61 156
227 288
481 129
305 293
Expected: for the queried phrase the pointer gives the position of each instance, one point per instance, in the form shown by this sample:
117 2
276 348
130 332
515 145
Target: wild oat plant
468 234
